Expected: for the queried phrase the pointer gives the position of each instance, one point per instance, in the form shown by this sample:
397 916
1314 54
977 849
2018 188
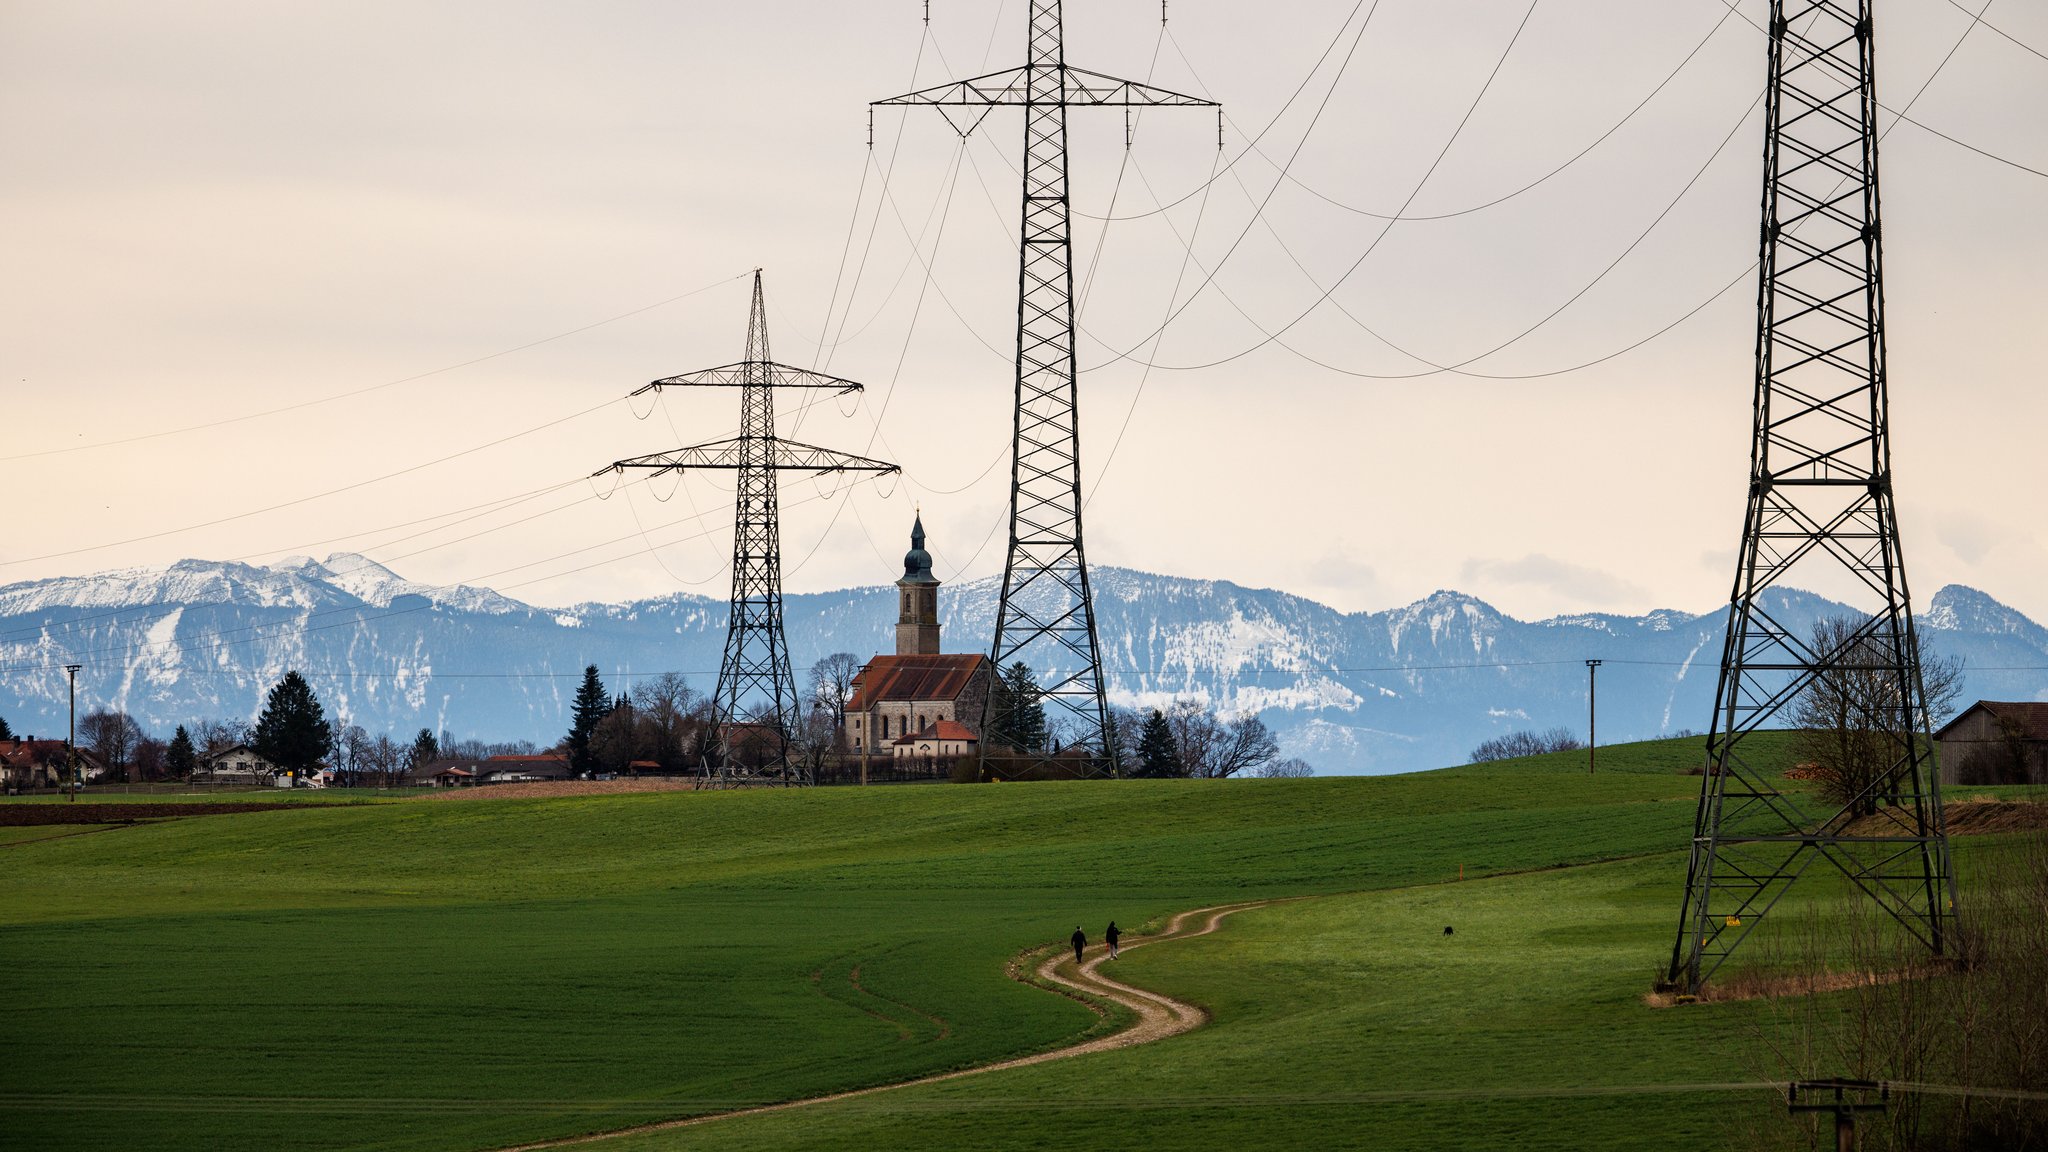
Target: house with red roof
33 763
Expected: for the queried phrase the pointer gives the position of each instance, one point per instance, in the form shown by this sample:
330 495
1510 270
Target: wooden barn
1994 742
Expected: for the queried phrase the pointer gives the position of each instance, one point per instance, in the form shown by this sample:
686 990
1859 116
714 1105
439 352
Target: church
919 705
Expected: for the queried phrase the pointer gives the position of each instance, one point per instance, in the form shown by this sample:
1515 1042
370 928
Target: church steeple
917 599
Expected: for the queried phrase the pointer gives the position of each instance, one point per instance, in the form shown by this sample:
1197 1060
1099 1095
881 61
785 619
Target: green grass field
425 974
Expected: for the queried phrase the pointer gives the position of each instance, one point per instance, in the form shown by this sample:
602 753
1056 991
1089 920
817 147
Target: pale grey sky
214 209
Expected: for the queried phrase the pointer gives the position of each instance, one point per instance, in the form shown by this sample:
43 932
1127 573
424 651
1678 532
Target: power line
1979 18
488 507
1505 197
1976 18
371 388
317 495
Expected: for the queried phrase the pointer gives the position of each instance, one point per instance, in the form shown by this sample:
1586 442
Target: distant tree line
1188 739
1527 743
662 724
291 731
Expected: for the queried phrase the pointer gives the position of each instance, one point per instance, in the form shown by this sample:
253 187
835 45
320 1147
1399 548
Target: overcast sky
486 221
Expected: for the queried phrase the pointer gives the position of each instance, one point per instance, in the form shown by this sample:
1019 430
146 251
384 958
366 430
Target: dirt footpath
1158 1018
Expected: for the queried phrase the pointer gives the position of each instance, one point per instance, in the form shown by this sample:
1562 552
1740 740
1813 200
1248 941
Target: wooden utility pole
1592 713
71 740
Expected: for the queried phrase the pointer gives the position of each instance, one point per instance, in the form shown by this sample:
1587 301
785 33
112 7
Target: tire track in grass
1158 1017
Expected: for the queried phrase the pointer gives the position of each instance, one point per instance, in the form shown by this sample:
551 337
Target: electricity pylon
1820 500
755 705
1046 612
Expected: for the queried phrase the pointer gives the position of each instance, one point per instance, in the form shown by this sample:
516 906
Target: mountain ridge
1409 687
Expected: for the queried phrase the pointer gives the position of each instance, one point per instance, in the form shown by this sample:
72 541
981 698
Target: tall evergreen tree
181 758
1019 713
1158 756
6 733
593 704
292 732
426 749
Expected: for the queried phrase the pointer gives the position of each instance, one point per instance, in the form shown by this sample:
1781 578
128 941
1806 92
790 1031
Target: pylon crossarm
751 374
1085 87
1011 86
1078 86
785 456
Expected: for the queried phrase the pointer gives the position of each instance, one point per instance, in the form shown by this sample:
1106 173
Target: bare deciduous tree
350 744
617 740
1214 748
1526 743
814 742
216 736
832 684
1126 729
664 704
1852 722
111 736
1292 768
384 758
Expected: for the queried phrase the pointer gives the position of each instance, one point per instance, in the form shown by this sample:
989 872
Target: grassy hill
430 974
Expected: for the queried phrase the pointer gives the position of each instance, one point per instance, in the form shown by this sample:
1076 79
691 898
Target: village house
31 763
919 702
1993 742
444 773
941 742
239 764
454 773
526 768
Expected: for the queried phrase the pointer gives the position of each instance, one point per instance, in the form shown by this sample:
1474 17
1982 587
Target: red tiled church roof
940 677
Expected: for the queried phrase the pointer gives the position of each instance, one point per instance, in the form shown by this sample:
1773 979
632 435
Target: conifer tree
593 704
1158 756
1019 713
425 749
6 733
292 732
181 759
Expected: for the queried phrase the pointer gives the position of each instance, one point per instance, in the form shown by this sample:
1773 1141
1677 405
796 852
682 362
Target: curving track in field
1158 1017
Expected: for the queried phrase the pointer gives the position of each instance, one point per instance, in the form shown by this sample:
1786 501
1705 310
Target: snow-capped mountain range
1408 688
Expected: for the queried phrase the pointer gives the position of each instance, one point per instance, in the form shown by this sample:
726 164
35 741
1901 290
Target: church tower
917 600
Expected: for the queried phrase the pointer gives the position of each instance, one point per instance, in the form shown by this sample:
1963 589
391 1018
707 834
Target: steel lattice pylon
755 702
1820 496
1046 616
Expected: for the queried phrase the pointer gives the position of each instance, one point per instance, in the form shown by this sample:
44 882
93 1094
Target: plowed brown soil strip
20 815
549 789
1159 1017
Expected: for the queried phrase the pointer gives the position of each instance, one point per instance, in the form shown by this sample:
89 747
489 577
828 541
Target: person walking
1112 936
1080 941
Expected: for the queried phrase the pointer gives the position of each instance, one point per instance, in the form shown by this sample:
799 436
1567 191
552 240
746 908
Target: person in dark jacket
1112 936
1080 941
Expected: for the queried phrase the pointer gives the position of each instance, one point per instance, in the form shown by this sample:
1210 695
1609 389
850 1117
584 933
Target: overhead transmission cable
252 632
1976 18
1574 158
1979 17
461 516
223 422
1461 367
